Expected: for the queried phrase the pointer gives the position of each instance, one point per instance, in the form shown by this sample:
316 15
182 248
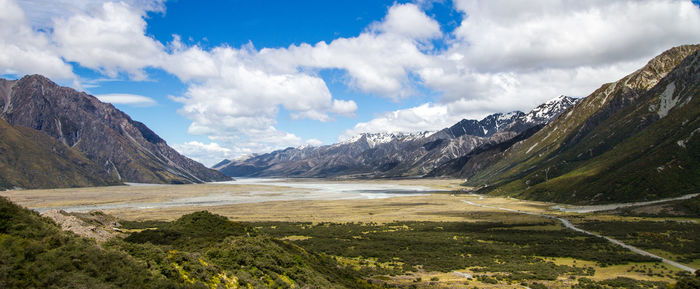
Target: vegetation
37 254
202 251
676 240
689 282
619 282
515 249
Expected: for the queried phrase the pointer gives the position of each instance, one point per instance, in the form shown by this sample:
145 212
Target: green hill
634 139
200 250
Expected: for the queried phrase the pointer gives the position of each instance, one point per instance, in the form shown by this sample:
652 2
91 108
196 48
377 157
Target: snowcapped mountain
395 154
547 111
375 139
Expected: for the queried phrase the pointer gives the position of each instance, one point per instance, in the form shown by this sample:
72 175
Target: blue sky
223 79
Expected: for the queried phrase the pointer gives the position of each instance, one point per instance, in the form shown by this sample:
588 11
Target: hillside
125 149
395 154
31 159
634 139
201 250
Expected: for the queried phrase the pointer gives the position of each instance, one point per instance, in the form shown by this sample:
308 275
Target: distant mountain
124 149
394 154
525 124
514 121
630 140
31 159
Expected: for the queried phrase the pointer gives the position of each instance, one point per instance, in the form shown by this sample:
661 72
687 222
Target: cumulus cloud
239 96
24 50
378 61
128 99
505 35
207 154
426 117
313 142
408 20
344 107
110 39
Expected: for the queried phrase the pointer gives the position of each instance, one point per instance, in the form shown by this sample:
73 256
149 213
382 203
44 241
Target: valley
354 145
438 236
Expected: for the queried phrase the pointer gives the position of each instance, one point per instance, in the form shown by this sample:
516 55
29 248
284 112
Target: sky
226 79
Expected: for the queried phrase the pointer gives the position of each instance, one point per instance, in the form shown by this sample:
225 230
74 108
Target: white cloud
110 39
313 142
128 99
504 35
245 97
190 63
258 141
207 154
42 12
344 107
426 117
379 60
408 20
25 51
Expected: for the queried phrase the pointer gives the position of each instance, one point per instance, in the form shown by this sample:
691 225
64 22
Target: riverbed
242 191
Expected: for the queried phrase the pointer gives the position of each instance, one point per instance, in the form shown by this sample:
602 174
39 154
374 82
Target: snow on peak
374 139
305 146
507 116
550 109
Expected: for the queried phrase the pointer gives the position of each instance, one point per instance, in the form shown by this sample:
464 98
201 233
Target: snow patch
667 102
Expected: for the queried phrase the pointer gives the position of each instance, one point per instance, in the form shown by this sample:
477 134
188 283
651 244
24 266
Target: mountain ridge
594 152
126 149
372 155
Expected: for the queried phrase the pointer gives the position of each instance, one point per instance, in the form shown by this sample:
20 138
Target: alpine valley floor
446 239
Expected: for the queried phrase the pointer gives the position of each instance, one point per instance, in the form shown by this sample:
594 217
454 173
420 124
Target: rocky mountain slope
31 159
634 139
124 149
395 154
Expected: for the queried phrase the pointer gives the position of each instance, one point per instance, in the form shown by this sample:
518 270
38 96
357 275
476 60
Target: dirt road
571 226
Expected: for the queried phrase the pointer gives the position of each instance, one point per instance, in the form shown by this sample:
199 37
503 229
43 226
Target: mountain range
376 155
79 133
634 139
